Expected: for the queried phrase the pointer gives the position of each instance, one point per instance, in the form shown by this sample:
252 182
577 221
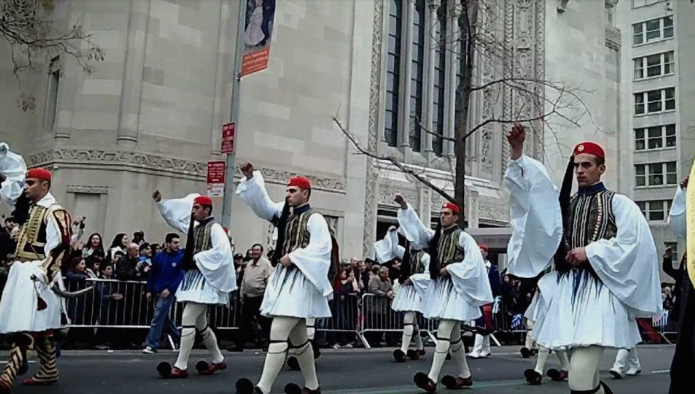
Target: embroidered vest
31 240
416 261
591 218
297 231
203 240
448 250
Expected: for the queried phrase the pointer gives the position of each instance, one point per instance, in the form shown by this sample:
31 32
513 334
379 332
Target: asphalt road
340 372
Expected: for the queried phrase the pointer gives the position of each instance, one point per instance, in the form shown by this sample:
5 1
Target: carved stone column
431 50
406 70
129 118
453 35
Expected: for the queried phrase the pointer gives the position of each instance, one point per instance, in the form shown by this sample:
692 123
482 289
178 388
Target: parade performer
457 287
209 277
537 309
682 221
605 258
485 325
415 265
299 288
31 307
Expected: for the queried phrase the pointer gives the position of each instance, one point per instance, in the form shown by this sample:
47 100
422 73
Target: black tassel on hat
561 264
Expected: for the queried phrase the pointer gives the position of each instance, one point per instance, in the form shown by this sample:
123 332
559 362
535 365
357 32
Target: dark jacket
678 275
166 272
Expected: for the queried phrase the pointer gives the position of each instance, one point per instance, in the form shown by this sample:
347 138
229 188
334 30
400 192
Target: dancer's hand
247 169
165 294
684 182
576 257
401 201
444 272
516 138
407 282
285 260
157 196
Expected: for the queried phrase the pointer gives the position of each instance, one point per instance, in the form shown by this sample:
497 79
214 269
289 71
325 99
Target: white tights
543 353
410 332
584 372
449 338
282 330
195 319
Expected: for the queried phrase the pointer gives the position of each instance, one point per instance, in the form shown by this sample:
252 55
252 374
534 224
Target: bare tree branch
402 167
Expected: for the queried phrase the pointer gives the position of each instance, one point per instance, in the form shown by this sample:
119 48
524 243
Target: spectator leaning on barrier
165 276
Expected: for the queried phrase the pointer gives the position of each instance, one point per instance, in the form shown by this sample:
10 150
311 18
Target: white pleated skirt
290 294
194 288
442 301
18 305
537 308
407 300
583 312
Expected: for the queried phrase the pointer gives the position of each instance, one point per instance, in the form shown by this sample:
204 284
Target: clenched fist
400 201
247 170
157 196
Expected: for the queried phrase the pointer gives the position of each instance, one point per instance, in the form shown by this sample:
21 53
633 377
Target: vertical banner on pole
228 131
216 175
260 15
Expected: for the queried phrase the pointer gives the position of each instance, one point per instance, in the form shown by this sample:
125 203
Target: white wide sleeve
470 275
387 249
415 231
536 219
217 264
254 194
177 212
314 260
628 264
422 281
13 168
676 218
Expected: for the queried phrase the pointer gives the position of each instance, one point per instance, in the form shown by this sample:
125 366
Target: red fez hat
483 247
203 200
39 173
453 207
591 148
299 181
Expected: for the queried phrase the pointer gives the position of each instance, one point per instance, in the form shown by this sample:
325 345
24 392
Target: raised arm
536 219
388 249
676 218
177 212
252 191
411 225
13 171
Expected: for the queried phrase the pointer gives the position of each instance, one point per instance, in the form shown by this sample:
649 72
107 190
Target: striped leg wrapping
48 371
17 359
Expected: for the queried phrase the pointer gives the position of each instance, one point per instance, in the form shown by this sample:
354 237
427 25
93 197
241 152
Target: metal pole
234 115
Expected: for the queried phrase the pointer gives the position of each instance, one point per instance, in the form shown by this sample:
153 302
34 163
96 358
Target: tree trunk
470 15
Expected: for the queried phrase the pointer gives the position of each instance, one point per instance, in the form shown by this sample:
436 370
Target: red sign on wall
228 131
216 175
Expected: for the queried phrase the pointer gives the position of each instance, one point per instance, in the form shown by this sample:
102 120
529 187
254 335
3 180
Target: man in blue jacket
165 276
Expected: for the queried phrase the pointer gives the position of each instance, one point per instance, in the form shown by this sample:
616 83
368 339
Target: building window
417 66
657 137
439 78
654 65
652 30
642 3
393 65
655 211
656 174
52 94
656 101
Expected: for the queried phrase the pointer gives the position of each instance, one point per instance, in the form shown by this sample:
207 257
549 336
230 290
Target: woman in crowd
120 244
95 244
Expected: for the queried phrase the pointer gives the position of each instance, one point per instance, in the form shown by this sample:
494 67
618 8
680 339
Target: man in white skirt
415 264
299 288
457 287
604 255
208 279
535 312
30 307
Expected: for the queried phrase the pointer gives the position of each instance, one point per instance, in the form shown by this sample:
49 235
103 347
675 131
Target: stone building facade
150 117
